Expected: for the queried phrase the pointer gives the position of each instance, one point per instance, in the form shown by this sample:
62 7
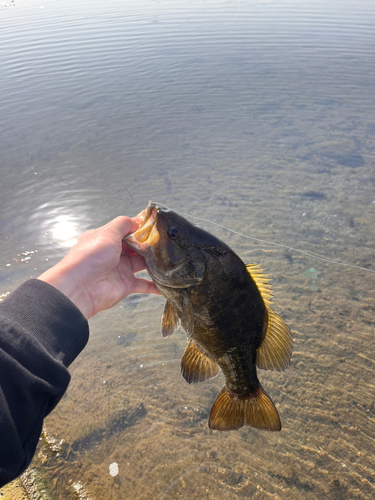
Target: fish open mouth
147 234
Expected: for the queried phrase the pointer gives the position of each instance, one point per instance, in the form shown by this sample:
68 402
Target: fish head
170 247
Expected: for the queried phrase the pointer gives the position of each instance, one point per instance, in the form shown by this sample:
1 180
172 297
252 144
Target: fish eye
174 233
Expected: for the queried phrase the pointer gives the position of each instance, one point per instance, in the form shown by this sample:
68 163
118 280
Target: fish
223 305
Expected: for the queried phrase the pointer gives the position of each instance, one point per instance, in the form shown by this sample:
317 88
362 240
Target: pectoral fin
187 317
276 348
196 366
169 320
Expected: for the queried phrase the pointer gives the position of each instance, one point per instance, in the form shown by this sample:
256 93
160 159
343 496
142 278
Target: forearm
41 333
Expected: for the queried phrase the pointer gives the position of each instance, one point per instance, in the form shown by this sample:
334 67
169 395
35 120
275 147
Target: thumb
123 225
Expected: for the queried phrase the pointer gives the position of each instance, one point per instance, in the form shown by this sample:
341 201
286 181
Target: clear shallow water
259 116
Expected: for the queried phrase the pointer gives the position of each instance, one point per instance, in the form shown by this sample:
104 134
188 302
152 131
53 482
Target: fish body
223 305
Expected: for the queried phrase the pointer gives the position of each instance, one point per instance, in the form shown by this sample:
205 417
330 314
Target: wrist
61 278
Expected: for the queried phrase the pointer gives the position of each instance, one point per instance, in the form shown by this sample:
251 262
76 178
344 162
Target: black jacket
41 333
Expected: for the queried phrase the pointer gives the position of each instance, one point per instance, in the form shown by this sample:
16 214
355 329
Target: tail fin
230 411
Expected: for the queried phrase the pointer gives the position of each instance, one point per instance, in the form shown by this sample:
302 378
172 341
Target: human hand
99 269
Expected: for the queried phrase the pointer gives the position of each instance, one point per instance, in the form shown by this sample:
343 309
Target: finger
141 285
123 225
137 262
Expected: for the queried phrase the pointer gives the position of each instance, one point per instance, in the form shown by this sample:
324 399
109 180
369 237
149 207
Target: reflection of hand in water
100 268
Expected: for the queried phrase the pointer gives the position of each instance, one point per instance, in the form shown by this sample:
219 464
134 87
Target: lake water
256 115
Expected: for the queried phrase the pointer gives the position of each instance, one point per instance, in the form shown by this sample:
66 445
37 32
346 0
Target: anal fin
169 320
231 411
275 351
196 366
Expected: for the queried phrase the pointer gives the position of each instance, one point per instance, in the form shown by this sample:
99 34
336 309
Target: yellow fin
187 315
196 366
261 281
275 351
230 411
169 320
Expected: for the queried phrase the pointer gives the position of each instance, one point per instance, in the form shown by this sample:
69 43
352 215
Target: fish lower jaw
136 245
148 224
147 235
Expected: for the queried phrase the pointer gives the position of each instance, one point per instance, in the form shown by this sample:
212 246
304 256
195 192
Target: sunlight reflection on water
65 230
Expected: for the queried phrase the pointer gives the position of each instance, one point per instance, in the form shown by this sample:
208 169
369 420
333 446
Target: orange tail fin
230 411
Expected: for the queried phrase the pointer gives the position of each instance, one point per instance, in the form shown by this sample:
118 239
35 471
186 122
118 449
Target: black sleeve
41 333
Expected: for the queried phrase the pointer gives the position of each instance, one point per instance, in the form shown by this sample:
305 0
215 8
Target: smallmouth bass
224 307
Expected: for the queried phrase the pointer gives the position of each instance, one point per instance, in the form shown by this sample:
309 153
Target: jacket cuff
50 317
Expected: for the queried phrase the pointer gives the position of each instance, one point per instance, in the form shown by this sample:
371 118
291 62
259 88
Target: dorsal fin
196 366
275 351
261 281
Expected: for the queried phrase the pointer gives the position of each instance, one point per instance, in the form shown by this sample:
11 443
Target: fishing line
279 244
